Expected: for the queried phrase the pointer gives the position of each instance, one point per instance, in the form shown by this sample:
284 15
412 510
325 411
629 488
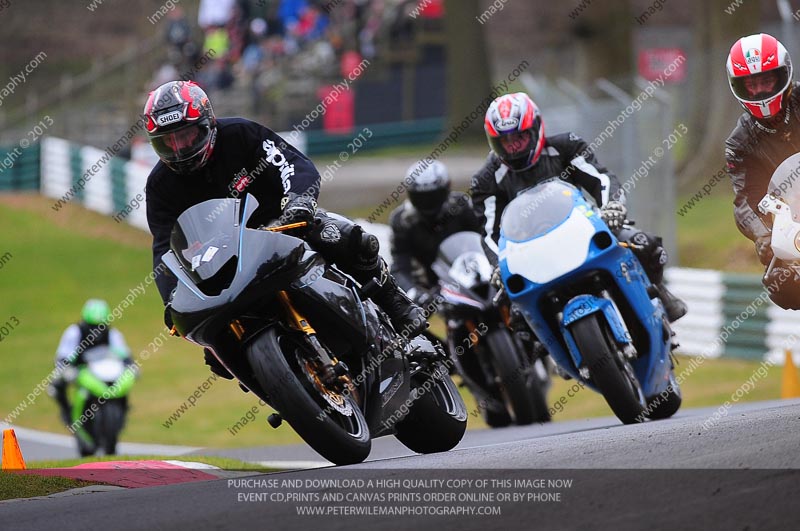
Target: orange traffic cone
12 456
790 387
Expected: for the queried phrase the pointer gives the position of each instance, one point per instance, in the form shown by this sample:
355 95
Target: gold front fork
327 372
299 322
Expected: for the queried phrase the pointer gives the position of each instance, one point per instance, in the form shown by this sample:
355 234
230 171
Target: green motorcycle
100 401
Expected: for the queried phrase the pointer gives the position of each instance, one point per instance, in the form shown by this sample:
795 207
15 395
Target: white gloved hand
614 214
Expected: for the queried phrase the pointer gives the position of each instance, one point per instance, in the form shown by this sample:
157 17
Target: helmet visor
516 145
762 86
430 202
181 144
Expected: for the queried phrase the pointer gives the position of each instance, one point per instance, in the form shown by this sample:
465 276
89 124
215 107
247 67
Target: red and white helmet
760 75
181 125
515 130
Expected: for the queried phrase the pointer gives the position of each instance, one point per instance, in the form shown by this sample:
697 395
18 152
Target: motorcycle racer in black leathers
203 158
522 156
760 77
418 226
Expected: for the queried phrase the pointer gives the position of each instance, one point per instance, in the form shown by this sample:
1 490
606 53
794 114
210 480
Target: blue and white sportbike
588 300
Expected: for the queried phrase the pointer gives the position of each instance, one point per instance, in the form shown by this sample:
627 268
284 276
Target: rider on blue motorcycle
90 332
431 214
521 157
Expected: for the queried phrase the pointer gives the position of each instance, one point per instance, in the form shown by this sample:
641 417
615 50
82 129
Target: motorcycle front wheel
437 419
108 423
330 422
612 375
524 399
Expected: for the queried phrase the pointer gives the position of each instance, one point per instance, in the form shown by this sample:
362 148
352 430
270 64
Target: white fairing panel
557 253
108 369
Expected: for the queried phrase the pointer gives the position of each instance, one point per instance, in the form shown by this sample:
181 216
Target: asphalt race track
742 472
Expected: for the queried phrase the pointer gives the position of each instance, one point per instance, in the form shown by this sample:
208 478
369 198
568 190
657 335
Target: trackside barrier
729 315
733 307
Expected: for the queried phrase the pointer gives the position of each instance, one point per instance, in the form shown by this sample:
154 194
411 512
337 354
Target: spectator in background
214 13
311 25
402 27
274 21
216 75
182 49
433 9
238 27
255 52
288 39
290 11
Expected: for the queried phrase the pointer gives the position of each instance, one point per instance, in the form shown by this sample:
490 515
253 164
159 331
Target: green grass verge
59 259
708 237
219 462
13 486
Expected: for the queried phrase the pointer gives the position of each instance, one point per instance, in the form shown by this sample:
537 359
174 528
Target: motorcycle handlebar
288 226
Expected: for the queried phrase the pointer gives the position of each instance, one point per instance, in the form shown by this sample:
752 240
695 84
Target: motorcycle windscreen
462 259
547 233
459 243
205 238
537 211
785 184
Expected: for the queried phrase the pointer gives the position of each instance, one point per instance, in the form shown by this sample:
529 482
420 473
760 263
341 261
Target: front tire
437 419
496 419
666 404
524 399
338 433
612 375
108 424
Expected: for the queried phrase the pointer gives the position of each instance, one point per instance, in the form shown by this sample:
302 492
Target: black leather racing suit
415 243
752 153
415 240
250 158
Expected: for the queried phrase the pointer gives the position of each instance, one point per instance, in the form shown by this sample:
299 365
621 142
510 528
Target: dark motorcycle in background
506 375
304 337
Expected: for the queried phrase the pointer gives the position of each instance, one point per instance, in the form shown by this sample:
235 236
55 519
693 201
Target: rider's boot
674 307
408 319
59 394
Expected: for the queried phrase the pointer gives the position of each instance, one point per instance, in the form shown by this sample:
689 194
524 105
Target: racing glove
168 316
421 297
168 320
614 214
298 209
496 280
764 249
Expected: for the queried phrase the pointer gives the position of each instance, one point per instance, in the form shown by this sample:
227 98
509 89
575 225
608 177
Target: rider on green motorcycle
88 333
